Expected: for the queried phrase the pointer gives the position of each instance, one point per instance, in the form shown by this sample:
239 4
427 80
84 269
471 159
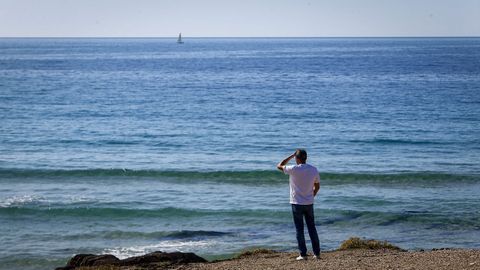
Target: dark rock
92 260
151 258
89 260
158 256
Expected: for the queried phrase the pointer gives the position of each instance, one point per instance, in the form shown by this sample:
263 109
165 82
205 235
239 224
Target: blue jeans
299 212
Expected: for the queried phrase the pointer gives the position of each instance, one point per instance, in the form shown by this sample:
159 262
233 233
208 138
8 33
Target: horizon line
229 37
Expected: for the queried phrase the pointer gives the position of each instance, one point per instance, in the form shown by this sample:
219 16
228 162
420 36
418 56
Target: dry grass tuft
358 243
255 251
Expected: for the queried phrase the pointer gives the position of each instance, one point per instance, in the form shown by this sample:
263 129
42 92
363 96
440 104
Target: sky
240 18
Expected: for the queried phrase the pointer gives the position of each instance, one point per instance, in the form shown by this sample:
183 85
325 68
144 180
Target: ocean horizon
174 37
131 145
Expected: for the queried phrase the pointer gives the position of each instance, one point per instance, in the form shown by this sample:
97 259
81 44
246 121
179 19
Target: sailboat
179 40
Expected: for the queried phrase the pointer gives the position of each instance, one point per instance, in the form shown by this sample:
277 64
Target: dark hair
301 154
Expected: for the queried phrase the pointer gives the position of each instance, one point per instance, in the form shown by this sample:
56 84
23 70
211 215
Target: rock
158 256
150 258
92 260
89 260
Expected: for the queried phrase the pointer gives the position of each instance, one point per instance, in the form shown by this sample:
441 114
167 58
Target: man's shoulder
311 167
303 167
298 167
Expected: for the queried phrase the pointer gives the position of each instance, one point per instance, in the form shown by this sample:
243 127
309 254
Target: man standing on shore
304 185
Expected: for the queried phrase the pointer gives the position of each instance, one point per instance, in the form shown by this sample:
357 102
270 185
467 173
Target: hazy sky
268 18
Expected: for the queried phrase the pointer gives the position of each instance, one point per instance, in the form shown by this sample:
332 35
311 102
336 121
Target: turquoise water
127 146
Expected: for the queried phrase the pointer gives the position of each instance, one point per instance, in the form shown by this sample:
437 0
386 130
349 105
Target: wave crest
233 177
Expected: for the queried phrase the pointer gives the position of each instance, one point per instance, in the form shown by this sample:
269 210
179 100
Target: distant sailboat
179 40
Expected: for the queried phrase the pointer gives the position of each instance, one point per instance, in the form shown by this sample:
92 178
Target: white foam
38 200
21 200
166 246
81 199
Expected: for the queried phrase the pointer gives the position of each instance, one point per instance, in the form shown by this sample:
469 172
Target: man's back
304 185
302 179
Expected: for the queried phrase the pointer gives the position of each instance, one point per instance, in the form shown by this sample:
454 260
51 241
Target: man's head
301 156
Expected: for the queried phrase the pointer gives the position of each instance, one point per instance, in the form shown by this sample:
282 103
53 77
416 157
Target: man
304 185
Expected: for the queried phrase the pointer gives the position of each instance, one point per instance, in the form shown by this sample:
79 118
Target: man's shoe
301 258
316 257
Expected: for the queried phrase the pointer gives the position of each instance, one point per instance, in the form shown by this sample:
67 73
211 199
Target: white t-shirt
302 179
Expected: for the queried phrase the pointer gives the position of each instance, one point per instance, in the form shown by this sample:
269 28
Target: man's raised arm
284 162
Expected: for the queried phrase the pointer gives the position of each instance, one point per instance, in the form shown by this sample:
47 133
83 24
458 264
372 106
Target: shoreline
351 259
367 259
354 253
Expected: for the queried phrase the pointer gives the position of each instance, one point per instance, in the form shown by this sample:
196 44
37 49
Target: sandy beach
264 259
352 259
354 253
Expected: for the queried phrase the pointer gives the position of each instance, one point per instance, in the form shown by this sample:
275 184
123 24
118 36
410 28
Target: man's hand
316 188
284 162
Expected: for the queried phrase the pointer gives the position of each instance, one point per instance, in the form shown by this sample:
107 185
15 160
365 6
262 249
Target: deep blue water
134 145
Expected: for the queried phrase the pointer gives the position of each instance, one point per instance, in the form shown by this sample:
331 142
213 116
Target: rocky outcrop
158 256
91 260
82 260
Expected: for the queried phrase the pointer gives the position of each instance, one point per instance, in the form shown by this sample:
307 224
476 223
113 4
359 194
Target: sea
132 145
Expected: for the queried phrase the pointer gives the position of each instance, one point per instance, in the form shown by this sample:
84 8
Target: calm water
126 146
